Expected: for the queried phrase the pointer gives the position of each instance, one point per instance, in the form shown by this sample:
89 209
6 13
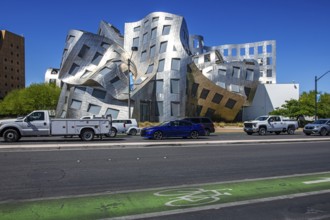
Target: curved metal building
155 72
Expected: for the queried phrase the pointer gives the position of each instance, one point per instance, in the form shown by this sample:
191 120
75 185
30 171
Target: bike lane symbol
192 196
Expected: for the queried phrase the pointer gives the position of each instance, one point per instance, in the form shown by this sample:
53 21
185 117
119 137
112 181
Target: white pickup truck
38 123
270 123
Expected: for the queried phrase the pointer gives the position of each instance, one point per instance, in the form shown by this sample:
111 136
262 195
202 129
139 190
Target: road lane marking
323 180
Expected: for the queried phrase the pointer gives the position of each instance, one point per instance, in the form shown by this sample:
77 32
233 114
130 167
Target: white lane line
323 180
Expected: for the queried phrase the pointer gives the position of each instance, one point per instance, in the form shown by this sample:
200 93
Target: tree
36 96
305 106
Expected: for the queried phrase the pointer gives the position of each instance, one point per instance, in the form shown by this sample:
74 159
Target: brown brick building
12 62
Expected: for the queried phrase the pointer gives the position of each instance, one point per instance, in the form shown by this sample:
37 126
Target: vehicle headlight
254 124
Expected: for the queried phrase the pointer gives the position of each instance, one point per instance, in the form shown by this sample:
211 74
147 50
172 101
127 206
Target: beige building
12 62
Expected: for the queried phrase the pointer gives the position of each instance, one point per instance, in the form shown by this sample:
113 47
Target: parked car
321 127
206 122
130 125
270 123
176 128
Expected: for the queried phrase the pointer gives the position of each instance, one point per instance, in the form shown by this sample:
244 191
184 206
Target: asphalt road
38 174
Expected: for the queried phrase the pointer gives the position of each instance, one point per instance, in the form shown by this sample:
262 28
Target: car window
195 120
184 123
206 120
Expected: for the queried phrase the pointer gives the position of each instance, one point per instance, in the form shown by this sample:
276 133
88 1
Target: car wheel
323 132
11 135
87 135
194 135
207 132
158 135
290 131
262 131
133 132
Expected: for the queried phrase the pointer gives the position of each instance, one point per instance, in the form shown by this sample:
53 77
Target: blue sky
301 29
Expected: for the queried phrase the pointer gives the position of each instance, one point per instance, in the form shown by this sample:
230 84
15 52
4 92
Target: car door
185 128
275 124
35 124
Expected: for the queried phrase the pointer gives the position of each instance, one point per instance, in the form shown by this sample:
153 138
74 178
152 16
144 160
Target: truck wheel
262 131
113 132
87 135
11 135
133 132
290 130
323 132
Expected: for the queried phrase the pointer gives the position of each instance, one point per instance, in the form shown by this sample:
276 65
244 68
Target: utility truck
39 123
270 123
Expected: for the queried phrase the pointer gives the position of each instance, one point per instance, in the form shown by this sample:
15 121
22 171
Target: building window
260 49
269 73
269 60
136 29
159 108
113 112
210 112
166 29
198 110
135 42
175 109
236 72
247 91
154 19
230 103
153 33
152 51
75 104
251 51
207 58
80 90
204 94
221 72
175 65
114 80
217 98
83 51
194 89
105 45
150 68
161 64
159 86
145 38
242 51
97 58
94 109
74 68
269 48
163 46
234 88
143 56
100 94
234 52
225 52
70 39
175 87
249 74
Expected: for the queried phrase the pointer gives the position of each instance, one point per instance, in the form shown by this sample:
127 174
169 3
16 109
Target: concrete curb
126 145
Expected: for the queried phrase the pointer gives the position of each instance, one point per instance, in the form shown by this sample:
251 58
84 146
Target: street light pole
129 81
317 79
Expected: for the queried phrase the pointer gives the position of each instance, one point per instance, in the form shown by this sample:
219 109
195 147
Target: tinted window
206 120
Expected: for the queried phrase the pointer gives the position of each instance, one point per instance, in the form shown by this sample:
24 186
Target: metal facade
165 70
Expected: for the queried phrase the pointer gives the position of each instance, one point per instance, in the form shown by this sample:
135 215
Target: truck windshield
261 118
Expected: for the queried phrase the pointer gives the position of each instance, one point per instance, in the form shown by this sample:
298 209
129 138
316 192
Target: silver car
320 126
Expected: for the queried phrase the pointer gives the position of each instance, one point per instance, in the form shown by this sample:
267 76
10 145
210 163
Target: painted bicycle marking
193 196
